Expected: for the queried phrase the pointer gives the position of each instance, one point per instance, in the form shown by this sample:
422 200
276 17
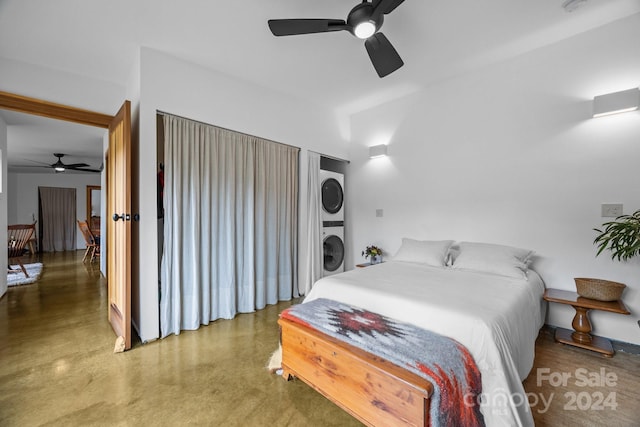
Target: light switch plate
379 213
612 210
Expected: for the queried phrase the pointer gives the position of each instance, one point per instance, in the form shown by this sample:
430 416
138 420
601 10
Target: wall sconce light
377 151
618 102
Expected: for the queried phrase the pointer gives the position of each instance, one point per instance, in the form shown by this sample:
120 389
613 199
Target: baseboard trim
622 346
626 347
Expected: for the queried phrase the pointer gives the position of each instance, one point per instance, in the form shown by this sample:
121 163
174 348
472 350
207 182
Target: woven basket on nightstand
599 289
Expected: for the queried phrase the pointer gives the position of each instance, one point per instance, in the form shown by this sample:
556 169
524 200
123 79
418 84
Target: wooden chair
93 246
19 236
94 224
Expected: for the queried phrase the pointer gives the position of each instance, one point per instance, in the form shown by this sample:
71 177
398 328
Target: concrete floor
57 366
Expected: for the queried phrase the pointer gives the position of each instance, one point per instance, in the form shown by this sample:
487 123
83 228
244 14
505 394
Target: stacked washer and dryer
332 189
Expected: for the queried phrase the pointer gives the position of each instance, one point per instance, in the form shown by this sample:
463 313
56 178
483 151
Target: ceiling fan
58 166
364 21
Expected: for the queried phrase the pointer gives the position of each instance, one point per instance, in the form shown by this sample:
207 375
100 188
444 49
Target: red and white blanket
443 361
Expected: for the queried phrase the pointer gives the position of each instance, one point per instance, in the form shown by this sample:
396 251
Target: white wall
23 195
174 86
60 87
511 155
3 201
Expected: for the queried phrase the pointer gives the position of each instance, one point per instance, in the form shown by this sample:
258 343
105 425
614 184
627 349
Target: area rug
16 279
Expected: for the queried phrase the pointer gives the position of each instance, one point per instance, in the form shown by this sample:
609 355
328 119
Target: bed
484 296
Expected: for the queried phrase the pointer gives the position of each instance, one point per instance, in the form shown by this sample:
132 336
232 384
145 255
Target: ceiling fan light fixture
363 22
364 30
58 166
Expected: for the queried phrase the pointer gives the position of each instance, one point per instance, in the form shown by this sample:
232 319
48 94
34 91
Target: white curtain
315 254
230 233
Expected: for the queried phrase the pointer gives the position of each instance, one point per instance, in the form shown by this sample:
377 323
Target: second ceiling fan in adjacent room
59 166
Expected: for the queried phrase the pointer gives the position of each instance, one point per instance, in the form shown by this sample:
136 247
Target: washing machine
333 249
332 189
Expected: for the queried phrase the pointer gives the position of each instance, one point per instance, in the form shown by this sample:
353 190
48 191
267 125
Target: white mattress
497 318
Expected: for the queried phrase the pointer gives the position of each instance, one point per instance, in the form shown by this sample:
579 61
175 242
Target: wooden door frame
90 190
39 107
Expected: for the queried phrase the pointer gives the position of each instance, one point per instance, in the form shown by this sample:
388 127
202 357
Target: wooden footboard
374 390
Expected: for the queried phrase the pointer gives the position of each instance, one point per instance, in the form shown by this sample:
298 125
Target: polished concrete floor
57 367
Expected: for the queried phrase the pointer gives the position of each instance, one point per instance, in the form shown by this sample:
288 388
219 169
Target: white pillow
496 259
428 252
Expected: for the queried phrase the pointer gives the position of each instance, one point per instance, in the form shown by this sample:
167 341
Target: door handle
124 217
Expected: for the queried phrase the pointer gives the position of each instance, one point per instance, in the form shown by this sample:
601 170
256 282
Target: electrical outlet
379 213
612 210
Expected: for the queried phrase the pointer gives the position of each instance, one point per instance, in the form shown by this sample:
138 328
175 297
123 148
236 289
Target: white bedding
497 318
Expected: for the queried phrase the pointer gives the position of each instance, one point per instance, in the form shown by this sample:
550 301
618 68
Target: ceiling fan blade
386 6
44 165
83 169
383 55
291 27
76 165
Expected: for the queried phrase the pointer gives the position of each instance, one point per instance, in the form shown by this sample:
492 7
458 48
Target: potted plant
621 237
374 252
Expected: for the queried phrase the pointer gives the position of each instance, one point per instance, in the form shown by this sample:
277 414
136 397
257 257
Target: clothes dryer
333 249
332 190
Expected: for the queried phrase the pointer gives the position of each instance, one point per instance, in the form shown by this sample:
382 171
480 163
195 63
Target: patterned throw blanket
443 361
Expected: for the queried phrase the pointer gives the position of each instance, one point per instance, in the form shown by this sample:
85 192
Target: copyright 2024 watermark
601 395
597 392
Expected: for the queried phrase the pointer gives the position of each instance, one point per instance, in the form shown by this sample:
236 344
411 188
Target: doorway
118 192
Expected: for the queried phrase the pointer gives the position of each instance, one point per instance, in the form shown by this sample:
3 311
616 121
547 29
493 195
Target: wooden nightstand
581 335
367 264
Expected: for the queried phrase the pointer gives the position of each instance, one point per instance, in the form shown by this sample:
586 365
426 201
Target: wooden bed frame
373 390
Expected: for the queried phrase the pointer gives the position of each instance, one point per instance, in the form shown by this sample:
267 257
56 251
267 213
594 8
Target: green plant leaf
621 237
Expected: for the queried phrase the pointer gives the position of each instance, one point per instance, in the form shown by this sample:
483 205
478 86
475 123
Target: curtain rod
330 157
164 113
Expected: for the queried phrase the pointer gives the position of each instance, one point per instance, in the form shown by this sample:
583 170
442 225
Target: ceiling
32 140
437 39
